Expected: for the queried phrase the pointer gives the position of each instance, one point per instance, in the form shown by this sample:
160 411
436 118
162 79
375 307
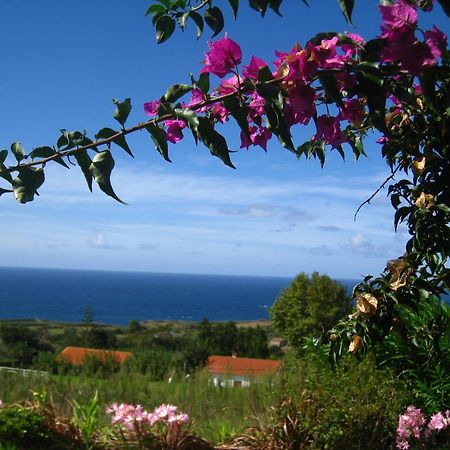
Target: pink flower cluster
401 44
412 424
134 418
301 73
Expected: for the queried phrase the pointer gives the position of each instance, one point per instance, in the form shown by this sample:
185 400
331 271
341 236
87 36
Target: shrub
24 428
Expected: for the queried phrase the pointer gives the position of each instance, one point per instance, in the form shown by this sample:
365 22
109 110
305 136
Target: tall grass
217 412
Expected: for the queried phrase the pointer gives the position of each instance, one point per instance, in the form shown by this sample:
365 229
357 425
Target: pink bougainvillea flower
251 71
174 130
258 136
151 108
411 54
197 97
229 85
256 106
400 15
325 53
353 111
351 48
301 98
223 56
220 112
300 64
329 130
436 41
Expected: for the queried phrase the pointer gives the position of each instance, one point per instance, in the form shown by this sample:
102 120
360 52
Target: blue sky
63 62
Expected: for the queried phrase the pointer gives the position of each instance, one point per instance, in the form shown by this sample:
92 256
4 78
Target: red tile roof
222 365
76 355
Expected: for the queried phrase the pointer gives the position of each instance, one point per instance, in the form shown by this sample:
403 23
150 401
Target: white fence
24 372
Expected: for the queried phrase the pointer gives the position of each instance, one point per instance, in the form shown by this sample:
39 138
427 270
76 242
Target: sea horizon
116 297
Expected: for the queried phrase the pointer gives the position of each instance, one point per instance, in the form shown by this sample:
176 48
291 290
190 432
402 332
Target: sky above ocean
63 62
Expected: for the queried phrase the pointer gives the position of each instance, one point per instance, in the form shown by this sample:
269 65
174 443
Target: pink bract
223 56
251 71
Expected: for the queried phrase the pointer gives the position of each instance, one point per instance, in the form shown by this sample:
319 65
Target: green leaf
198 20
101 168
234 6
445 4
274 5
239 113
264 74
259 5
371 84
42 152
203 82
3 156
214 141
159 138
176 91
47 152
122 110
18 151
5 175
319 37
347 9
189 116
26 184
106 133
154 9
331 87
84 161
165 26
214 20
277 124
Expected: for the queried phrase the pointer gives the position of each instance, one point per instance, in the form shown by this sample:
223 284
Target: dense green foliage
24 428
310 305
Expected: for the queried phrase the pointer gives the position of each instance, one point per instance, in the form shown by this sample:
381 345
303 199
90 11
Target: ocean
118 297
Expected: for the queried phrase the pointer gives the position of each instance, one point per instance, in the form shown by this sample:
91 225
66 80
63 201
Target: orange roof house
234 371
77 355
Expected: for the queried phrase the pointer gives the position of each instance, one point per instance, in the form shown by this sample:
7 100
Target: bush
24 428
356 407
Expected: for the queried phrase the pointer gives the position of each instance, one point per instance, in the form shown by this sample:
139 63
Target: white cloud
101 242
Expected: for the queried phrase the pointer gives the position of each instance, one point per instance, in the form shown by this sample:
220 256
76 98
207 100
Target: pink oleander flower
151 108
1 403
329 130
223 56
251 71
174 130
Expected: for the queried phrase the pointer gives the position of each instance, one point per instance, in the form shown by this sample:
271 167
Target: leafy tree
310 305
23 344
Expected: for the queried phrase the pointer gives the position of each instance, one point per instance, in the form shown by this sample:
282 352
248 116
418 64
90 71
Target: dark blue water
118 297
